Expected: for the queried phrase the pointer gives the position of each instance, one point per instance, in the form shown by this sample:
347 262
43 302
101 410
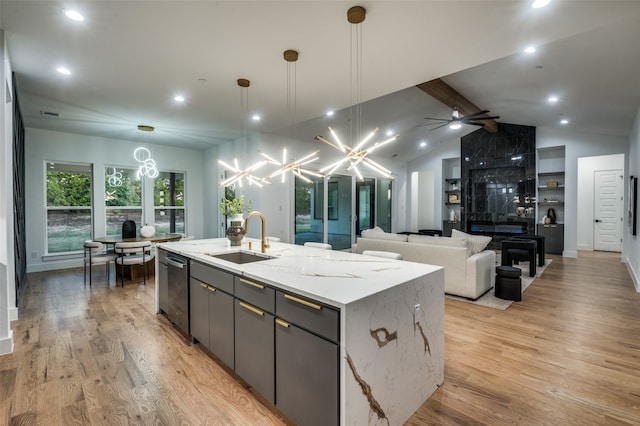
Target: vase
551 214
235 232
147 231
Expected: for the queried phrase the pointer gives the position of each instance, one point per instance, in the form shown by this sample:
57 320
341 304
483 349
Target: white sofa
466 274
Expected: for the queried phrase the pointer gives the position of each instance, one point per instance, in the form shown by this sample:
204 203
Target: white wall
631 243
423 196
7 266
44 145
587 166
576 145
433 162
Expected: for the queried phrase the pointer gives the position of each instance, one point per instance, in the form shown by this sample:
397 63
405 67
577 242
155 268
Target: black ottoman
508 283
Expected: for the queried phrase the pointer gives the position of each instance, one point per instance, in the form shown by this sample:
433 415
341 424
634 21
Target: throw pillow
477 243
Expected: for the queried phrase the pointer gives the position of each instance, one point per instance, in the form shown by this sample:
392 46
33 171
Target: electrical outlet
34 255
416 312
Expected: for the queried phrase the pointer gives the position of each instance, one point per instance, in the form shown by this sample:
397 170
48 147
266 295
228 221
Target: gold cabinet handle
212 289
282 323
203 285
251 283
252 308
303 302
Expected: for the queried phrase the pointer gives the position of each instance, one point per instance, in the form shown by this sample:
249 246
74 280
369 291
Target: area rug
491 301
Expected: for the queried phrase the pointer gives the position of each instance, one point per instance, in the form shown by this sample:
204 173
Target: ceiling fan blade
442 125
475 114
437 119
473 123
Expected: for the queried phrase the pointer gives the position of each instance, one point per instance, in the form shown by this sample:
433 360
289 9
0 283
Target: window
123 199
168 201
69 210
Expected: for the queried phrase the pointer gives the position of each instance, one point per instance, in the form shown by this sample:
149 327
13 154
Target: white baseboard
55 265
633 273
570 253
6 344
13 314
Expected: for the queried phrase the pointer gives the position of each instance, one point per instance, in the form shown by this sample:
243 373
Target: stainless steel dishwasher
178 291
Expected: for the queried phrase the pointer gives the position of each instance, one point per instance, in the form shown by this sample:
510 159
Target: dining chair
128 229
134 253
94 253
318 245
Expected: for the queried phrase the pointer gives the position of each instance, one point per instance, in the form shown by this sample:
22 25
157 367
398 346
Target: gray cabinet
163 281
283 345
553 237
221 336
211 311
254 348
199 311
306 357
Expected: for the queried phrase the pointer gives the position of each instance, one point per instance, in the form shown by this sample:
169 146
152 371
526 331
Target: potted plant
234 208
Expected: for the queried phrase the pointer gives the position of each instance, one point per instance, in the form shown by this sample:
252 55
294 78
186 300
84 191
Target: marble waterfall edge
391 349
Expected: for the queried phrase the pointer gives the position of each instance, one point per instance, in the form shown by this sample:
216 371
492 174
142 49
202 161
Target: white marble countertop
336 278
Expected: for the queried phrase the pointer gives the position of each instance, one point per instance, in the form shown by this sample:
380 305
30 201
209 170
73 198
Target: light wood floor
568 354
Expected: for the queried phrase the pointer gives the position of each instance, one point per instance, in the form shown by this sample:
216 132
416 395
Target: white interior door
607 231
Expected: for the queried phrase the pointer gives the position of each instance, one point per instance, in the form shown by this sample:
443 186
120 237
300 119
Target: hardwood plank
567 354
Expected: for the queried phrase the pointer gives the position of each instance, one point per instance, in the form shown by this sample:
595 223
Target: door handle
598 220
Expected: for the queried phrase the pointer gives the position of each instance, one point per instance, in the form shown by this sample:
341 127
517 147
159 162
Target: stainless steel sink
241 256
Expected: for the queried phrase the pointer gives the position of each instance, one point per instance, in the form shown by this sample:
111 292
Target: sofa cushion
477 243
381 235
438 241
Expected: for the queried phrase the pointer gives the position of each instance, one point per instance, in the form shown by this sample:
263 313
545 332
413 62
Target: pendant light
296 166
358 154
241 173
146 164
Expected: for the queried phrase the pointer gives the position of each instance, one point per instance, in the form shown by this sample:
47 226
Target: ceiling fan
455 122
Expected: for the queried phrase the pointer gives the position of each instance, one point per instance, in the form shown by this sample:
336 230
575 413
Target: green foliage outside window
127 194
68 189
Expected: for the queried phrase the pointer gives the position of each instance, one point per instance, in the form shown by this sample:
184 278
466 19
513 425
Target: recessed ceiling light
564 121
530 49
423 144
553 99
178 98
63 70
537 4
389 132
74 15
255 117
329 113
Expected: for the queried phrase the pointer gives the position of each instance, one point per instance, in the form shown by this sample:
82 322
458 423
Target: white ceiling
129 58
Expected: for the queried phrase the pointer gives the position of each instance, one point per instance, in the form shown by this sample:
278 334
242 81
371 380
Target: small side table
508 283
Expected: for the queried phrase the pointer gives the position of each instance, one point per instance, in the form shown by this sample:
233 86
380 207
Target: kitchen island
388 317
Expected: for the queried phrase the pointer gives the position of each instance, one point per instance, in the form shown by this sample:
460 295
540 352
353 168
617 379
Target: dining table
156 238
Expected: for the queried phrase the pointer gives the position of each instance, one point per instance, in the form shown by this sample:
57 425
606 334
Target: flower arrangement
230 207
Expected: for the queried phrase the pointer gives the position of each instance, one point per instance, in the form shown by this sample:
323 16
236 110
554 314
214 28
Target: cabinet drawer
256 293
212 276
310 315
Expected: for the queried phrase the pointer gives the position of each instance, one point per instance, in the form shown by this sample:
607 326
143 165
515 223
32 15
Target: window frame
183 207
47 208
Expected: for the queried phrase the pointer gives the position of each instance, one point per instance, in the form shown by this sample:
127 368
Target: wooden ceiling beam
449 96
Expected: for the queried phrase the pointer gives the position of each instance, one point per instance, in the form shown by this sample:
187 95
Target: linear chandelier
358 154
295 166
242 173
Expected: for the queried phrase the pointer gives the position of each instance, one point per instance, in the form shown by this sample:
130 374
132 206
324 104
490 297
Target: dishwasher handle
178 263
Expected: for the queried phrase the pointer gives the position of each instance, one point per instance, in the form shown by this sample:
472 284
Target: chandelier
358 154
